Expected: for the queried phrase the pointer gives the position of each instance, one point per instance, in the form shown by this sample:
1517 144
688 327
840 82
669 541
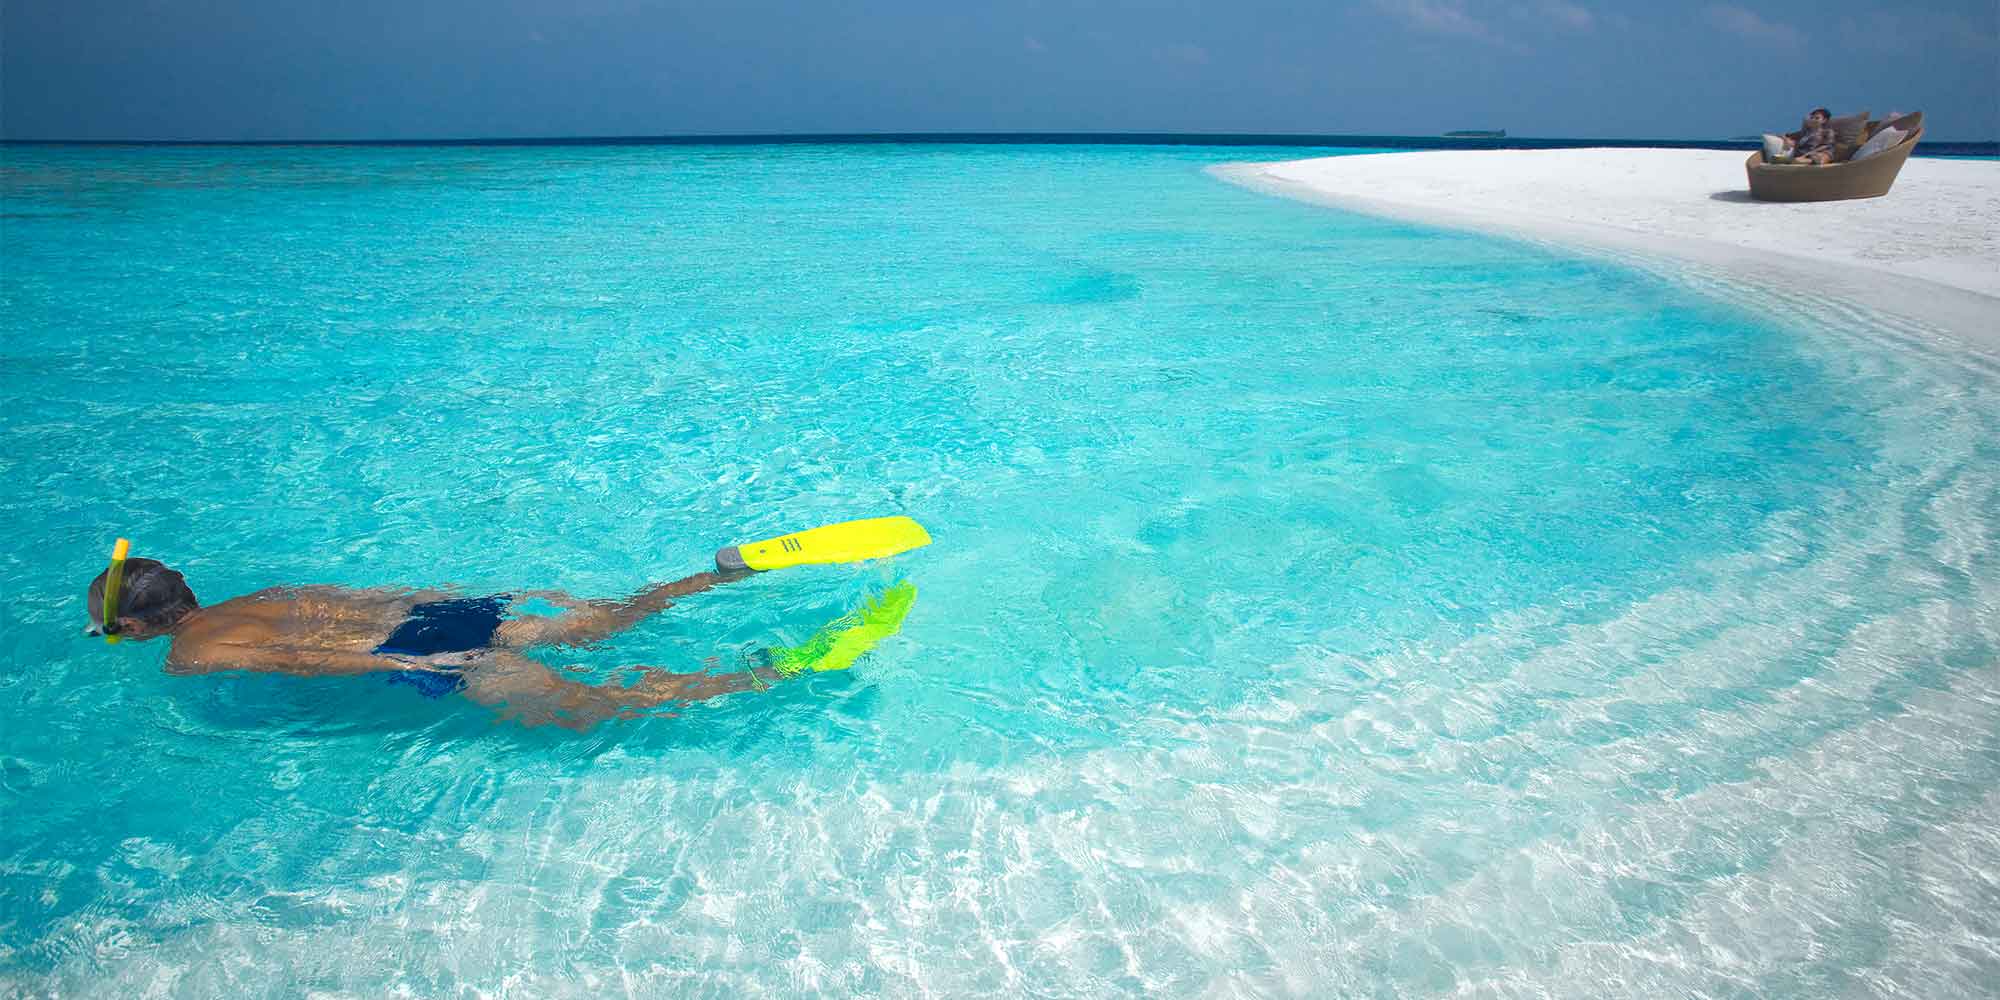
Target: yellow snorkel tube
113 579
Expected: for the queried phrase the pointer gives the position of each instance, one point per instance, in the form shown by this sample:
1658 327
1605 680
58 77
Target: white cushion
1881 141
1777 148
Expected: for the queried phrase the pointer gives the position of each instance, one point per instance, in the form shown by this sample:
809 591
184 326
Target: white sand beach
1929 252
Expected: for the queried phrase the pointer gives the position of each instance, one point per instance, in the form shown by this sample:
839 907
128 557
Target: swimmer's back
329 618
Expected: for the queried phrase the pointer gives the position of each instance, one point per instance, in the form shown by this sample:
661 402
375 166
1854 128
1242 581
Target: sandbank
1928 253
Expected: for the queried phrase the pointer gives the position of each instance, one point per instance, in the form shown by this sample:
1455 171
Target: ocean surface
1319 605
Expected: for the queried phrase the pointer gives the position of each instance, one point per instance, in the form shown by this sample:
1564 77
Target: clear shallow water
1319 604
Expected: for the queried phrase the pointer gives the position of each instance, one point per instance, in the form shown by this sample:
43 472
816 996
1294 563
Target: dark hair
1820 111
150 592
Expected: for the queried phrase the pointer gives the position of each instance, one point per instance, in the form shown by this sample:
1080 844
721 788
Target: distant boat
1477 134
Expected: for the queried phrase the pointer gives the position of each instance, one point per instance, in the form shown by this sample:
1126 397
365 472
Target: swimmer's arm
220 657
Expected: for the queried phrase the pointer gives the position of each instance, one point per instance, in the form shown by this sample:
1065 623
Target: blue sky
236 69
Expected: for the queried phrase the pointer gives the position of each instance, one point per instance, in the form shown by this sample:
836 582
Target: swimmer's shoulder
213 638
216 637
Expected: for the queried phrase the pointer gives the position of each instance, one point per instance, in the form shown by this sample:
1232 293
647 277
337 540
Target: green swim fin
842 641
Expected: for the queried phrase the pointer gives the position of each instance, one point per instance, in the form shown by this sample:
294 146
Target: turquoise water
1319 605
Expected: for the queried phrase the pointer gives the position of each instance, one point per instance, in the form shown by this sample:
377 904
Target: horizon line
1960 147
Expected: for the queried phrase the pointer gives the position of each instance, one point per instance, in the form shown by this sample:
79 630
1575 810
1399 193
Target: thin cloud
1439 17
1751 25
1909 31
1568 15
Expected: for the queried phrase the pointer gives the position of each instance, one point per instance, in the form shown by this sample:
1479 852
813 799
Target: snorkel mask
114 577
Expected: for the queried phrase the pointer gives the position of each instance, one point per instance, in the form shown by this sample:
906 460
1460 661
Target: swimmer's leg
527 691
586 622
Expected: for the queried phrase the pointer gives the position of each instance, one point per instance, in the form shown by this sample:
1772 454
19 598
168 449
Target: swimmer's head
152 600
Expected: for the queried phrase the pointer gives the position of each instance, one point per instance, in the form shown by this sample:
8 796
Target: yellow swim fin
849 541
842 641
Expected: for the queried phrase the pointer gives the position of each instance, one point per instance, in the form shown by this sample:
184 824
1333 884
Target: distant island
1477 134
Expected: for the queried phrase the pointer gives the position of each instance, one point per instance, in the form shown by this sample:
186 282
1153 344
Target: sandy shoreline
1928 253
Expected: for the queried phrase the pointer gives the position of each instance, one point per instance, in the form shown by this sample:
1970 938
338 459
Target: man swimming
439 643
430 640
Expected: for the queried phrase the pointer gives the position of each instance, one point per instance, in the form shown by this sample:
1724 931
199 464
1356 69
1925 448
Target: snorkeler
441 644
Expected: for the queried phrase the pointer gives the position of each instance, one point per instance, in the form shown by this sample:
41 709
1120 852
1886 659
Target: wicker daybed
1869 178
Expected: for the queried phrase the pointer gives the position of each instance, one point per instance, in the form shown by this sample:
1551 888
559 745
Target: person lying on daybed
1811 145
